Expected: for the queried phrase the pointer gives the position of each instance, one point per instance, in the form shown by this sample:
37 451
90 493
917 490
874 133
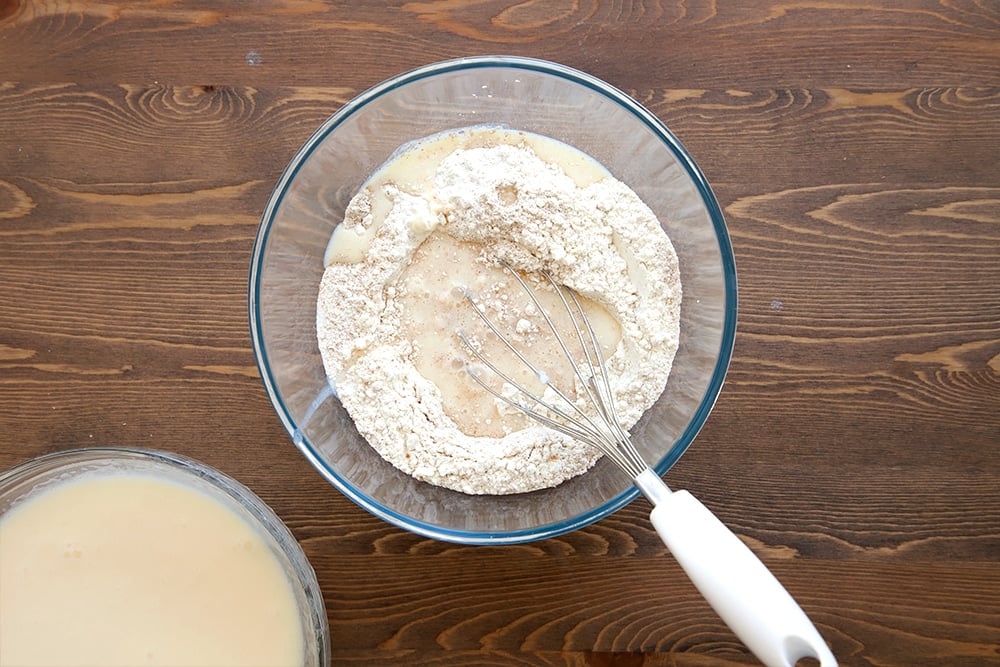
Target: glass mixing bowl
523 94
23 482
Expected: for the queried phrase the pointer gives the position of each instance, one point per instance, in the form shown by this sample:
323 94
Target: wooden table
855 150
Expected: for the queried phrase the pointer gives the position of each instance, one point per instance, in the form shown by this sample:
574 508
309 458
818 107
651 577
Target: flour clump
432 226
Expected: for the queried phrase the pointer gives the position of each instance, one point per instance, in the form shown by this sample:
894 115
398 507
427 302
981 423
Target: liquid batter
132 569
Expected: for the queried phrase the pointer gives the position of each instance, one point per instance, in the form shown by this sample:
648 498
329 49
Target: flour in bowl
431 226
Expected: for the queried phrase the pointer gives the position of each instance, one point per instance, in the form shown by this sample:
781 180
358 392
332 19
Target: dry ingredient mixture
427 229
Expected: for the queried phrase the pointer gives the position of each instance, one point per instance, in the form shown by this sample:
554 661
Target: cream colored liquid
132 569
435 310
443 269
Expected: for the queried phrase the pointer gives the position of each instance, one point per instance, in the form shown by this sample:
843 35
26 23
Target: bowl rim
659 129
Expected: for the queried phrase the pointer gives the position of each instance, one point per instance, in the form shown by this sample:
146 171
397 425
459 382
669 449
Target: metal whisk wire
606 433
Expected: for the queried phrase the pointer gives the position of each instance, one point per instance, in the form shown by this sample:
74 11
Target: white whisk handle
737 585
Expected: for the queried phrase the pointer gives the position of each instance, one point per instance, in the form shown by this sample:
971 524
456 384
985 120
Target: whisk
727 573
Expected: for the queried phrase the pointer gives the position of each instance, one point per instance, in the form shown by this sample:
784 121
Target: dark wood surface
855 149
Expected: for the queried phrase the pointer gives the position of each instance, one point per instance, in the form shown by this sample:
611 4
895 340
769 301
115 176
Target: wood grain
853 146
853 41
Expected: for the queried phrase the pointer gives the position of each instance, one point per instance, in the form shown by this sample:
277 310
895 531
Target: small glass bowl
524 94
20 483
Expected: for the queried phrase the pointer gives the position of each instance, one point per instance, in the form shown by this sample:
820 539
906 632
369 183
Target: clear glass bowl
19 483
524 94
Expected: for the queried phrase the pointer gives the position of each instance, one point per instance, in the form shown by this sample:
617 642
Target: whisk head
601 427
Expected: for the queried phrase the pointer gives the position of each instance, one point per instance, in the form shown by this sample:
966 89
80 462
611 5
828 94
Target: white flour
495 198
